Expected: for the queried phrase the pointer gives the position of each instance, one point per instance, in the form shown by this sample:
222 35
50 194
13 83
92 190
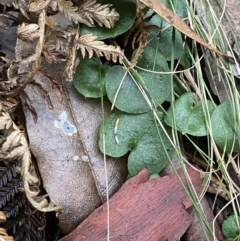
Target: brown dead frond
57 42
139 32
39 5
4 236
22 6
67 8
14 146
88 44
102 14
21 71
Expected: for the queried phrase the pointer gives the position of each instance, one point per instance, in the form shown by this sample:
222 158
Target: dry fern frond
14 146
7 2
57 40
88 43
38 5
28 32
3 21
102 14
22 6
70 12
139 32
4 236
21 71
18 217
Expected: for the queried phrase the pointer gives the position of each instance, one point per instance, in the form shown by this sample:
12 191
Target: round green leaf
129 98
149 146
127 12
189 117
88 78
164 39
230 228
226 127
158 85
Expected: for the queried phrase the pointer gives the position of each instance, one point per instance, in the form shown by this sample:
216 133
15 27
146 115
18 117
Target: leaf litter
55 49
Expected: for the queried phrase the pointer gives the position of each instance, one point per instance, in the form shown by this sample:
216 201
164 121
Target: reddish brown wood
142 210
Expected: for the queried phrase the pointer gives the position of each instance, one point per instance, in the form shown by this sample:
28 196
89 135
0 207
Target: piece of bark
142 210
194 231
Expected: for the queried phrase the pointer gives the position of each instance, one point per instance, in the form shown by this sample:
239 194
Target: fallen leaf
64 142
142 210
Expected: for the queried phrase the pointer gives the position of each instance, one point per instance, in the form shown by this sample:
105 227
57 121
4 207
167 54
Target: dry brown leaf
179 24
64 141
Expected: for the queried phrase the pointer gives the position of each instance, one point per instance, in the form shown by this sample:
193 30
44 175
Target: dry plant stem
179 24
234 165
192 82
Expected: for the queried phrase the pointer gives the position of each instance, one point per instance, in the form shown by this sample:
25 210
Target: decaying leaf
64 141
13 147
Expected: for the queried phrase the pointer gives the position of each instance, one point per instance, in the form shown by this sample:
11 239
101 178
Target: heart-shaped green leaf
230 227
189 117
226 126
149 146
88 78
165 45
129 98
127 12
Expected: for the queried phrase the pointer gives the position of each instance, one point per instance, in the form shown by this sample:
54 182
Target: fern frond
70 12
102 14
139 32
38 5
88 43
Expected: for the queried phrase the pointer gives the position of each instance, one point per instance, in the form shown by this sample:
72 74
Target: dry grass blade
102 14
179 24
88 43
13 147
